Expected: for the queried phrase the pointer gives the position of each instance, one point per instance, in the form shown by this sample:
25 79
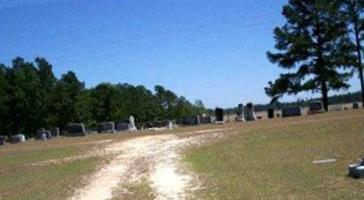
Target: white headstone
132 127
170 125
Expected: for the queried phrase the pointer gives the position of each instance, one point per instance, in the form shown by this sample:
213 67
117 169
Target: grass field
273 159
20 179
266 159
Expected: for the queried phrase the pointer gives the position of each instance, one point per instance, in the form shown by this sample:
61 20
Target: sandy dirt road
155 158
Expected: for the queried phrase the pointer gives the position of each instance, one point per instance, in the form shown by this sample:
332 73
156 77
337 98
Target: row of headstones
72 129
247 113
42 134
313 108
196 120
78 129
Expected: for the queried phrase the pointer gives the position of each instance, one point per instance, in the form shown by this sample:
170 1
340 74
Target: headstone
17 138
219 113
132 126
106 127
55 132
76 129
205 120
43 134
2 140
170 125
270 113
240 114
356 170
122 126
249 114
43 137
335 108
315 107
191 120
291 112
355 105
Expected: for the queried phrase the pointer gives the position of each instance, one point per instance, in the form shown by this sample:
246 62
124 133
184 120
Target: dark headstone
191 120
205 120
270 113
291 111
2 140
355 105
55 132
43 134
219 113
249 114
122 126
315 107
240 110
76 129
106 127
356 170
17 138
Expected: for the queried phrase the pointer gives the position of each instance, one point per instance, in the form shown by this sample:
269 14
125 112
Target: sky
212 50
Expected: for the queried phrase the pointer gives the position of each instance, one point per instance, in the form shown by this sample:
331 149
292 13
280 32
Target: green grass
21 180
273 159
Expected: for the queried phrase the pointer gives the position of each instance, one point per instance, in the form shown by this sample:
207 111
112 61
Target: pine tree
353 10
313 46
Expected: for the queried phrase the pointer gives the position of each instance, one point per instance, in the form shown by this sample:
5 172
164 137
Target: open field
274 159
267 159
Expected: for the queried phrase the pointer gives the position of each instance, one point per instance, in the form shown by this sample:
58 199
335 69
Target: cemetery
179 100
283 138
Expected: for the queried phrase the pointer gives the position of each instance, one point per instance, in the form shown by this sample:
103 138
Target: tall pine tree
353 13
312 47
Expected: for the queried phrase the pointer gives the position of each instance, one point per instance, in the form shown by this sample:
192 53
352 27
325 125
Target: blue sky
209 50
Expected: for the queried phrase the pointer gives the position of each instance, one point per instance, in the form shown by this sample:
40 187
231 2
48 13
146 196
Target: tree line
320 45
31 97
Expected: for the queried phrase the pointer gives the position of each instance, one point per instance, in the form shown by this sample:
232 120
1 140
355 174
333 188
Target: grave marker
2 140
270 113
191 120
249 114
106 127
219 113
132 126
315 107
76 129
291 112
17 138
355 105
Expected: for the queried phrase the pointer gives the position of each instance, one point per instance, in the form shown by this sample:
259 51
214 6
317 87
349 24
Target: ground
266 159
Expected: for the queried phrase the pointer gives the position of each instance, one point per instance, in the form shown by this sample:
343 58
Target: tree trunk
325 98
359 62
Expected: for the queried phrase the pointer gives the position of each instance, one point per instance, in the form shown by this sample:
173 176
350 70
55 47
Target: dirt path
156 158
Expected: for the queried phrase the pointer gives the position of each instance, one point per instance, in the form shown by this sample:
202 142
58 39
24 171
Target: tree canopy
314 47
32 98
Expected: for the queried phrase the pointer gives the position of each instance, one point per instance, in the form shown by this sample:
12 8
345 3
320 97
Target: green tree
4 101
312 45
104 94
167 101
66 97
353 10
26 97
47 83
